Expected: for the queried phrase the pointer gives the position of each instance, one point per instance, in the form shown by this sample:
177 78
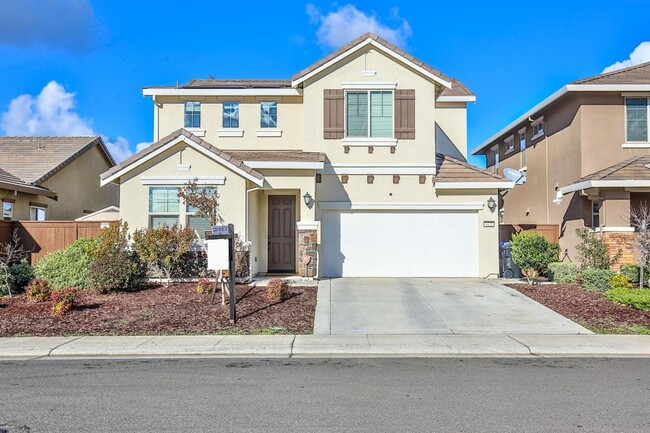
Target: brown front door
282 233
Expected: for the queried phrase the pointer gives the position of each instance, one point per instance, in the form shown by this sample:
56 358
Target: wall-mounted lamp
308 199
492 205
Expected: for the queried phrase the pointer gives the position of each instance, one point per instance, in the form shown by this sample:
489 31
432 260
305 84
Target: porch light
307 198
492 205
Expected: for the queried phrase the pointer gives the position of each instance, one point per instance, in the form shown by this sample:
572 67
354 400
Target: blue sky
78 66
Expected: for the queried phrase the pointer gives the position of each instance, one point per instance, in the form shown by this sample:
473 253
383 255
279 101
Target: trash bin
507 266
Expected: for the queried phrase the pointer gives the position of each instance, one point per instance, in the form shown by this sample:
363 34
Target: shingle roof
457 89
236 84
639 74
166 140
35 159
282 155
9 181
450 169
631 169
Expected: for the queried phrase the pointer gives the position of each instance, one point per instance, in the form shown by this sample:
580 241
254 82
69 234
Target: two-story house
53 178
584 152
357 162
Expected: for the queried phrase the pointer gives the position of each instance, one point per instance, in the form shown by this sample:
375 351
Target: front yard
591 309
158 310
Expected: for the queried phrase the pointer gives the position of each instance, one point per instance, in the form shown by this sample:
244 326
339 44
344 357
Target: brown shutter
333 121
405 114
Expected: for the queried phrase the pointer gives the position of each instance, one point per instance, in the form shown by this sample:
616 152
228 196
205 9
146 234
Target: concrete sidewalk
326 346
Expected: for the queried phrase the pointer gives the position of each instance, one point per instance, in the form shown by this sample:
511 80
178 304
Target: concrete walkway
326 346
368 306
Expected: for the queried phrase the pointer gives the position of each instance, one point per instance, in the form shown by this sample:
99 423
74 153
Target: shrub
593 252
114 267
633 272
38 290
68 267
620 281
20 275
63 301
162 249
277 290
532 253
204 285
563 273
597 279
637 298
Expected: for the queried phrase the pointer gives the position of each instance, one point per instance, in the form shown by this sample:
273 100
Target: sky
77 67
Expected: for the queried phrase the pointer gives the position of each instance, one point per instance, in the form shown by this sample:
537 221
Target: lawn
157 310
590 309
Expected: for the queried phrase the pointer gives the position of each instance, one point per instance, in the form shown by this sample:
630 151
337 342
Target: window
538 128
494 159
164 206
636 110
192 114
7 210
269 114
595 213
510 144
369 114
231 115
522 147
195 222
36 213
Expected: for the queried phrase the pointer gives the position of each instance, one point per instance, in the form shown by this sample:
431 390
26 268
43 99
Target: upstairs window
493 159
369 114
510 144
636 110
230 115
269 114
538 128
192 114
522 147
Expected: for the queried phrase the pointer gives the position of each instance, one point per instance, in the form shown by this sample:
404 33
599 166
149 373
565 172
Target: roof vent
39 146
647 166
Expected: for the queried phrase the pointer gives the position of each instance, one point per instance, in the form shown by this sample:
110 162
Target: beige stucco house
358 162
584 152
53 178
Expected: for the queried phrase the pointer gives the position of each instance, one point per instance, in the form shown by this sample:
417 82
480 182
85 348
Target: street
373 395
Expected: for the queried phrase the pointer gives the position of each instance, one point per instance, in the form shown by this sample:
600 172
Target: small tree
205 199
593 251
10 252
640 220
533 253
162 249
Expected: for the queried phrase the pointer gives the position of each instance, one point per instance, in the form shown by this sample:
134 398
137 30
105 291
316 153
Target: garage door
392 244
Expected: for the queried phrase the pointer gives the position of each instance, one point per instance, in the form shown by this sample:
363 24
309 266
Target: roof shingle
638 74
450 169
631 169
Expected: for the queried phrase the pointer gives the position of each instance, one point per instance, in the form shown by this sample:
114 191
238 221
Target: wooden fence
41 237
550 231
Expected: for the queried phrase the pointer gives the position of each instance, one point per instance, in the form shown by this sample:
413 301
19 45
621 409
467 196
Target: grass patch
616 328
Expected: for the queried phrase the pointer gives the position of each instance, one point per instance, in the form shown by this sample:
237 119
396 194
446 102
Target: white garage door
392 244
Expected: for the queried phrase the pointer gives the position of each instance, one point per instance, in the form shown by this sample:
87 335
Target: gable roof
169 141
453 173
35 159
11 182
380 43
634 78
632 172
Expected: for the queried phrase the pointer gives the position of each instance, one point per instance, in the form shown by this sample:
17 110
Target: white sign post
221 256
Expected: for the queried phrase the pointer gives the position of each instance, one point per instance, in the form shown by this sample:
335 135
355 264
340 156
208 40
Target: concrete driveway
352 306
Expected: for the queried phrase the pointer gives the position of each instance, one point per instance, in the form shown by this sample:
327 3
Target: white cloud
52 113
641 54
346 23
142 146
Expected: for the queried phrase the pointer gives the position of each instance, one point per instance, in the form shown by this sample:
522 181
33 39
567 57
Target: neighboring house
53 178
584 151
357 162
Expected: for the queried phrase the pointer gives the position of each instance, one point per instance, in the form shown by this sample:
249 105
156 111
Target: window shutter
405 114
333 121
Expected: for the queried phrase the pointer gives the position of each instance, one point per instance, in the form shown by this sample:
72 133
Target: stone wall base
307 246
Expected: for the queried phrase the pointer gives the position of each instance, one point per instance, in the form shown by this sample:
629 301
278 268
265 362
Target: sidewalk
326 346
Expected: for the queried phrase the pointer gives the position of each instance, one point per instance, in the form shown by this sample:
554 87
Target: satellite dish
514 175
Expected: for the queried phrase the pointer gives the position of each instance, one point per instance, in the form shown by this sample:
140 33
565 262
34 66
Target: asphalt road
373 395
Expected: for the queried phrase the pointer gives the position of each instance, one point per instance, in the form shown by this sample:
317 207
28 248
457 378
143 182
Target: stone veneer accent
623 241
307 244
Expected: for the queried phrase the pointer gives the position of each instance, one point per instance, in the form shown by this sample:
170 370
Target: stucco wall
452 119
22 200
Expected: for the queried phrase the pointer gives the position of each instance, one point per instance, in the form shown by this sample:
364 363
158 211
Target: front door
282 233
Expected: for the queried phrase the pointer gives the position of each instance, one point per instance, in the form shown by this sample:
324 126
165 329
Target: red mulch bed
177 309
592 309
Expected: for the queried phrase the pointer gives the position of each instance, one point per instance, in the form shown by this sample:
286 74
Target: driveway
351 306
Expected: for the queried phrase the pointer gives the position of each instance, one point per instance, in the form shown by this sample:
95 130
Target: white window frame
192 126
645 143
187 214
522 149
151 214
223 115
368 137
510 144
541 132
37 209
495 154
594 214
10 215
